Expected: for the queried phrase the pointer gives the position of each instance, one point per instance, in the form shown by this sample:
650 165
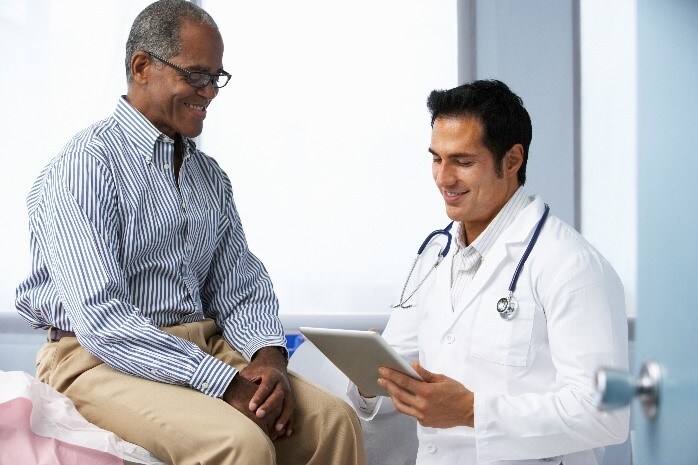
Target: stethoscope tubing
527 252
449 237
447 232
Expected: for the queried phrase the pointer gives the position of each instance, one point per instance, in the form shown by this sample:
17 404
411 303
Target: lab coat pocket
501 341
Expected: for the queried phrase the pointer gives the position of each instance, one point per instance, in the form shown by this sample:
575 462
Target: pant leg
326 430
179 425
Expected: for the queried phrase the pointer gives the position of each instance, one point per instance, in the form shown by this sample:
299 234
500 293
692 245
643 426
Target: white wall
323 129
609 135
62 69
324 132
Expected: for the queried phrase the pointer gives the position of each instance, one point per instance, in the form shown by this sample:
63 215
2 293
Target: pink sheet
40 426
20 445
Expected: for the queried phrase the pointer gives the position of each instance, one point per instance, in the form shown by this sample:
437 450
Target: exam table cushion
40 425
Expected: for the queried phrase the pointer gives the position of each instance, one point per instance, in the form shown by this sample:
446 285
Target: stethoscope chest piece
507 307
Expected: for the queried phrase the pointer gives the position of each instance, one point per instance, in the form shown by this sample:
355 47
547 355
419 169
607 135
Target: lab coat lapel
512 243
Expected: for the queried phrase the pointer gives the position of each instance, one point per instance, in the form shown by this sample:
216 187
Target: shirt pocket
501 341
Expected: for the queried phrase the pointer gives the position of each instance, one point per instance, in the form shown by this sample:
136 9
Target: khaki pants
180 425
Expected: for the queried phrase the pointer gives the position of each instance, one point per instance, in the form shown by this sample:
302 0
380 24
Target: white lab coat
533 375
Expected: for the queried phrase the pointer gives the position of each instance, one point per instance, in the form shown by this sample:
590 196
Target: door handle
615 388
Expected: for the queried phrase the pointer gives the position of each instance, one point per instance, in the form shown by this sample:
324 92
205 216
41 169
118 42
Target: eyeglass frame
189 74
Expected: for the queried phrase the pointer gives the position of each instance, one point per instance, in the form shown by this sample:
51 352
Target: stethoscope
507 307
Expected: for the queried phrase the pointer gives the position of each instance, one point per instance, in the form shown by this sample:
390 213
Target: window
323 129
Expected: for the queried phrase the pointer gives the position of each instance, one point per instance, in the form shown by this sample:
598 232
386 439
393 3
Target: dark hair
156 28
504 119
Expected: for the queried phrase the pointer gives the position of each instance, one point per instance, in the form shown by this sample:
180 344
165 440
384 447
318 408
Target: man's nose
208 91
445 175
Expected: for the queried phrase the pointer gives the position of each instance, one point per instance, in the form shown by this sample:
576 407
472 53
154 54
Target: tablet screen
358 354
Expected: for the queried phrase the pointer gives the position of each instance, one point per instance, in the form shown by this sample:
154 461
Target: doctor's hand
273 398
438 401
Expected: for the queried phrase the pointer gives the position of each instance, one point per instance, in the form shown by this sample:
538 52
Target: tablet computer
359 354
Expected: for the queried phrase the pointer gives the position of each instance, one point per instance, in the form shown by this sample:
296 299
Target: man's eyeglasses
195 78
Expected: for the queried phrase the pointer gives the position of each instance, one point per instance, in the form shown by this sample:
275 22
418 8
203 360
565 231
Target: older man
163 326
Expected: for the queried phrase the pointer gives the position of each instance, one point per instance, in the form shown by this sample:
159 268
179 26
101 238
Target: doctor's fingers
401 379
428 408
405 402
400 393
426 375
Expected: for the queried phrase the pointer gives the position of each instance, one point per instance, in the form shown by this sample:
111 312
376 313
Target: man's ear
513 160
140 67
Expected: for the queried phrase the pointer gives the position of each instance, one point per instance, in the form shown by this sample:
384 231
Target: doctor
507 377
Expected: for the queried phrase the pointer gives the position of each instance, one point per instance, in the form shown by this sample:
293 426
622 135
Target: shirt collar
499 223
139 129
142 132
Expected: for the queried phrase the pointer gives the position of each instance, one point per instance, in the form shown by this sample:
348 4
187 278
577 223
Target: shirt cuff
367 408
255 344
281 349
212 376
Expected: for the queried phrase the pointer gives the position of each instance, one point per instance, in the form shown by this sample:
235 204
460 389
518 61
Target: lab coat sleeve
583 301
368 408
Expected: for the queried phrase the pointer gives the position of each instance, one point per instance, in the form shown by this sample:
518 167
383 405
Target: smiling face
465 173
162 94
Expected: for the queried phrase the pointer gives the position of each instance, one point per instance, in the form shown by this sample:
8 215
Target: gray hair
156 28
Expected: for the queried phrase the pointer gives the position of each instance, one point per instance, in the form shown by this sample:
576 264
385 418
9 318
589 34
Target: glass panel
67 63
324 132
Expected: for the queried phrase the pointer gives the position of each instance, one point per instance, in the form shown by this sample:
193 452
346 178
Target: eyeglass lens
202 79
197 79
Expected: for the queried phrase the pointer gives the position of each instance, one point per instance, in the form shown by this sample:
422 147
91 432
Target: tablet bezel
358 354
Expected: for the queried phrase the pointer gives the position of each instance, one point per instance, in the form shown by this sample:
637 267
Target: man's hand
273 399
437 402
239 395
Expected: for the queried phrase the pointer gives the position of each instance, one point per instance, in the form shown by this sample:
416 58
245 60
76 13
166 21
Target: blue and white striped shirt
120 247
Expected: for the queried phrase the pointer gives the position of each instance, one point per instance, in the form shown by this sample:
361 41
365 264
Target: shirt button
450 339
431 448
204 385
154 371
166 166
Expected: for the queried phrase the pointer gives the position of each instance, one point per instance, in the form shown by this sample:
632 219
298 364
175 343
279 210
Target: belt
55 334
